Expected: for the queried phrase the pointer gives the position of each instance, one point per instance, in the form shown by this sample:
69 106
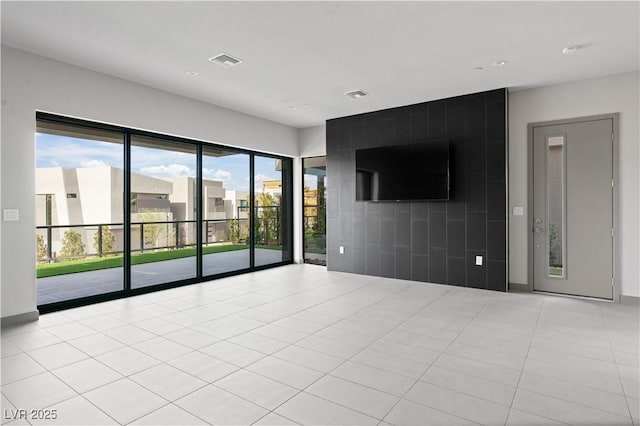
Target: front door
573 208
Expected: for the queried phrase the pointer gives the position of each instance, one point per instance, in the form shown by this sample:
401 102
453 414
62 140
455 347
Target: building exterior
163 209
272 187
89 197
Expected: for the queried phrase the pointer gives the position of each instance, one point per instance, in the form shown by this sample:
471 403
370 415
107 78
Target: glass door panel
79 212
315 210
163 211
271 215
225 211
556 206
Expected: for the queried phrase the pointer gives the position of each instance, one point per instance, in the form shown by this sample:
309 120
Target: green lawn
92 264
315 250
555 271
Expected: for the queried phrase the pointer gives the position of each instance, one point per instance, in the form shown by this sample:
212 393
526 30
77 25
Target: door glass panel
272 177
79 212
556 206
315 210
225 211
163 211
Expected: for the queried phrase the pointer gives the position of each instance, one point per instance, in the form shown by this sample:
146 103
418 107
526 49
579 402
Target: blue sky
233 170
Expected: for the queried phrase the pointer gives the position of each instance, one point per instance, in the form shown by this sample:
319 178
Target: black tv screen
414 172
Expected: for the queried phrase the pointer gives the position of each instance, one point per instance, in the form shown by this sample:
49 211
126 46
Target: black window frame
127 134
302 194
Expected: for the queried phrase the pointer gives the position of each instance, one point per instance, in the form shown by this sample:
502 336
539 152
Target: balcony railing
67 242
315 238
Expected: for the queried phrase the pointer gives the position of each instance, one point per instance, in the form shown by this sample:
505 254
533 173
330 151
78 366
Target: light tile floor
301 345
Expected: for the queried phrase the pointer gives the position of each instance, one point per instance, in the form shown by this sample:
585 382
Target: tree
72 245
107 241
152 230
267 220
41 248
234 231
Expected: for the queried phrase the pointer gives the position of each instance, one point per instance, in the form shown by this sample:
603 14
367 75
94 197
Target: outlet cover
11 215
479 260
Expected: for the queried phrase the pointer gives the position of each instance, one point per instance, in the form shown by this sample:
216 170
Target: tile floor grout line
347 360
525 360
164 406
333 308
617 369
436 360
429 366
240 368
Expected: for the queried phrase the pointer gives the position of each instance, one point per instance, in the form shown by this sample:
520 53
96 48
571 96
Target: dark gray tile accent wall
425 241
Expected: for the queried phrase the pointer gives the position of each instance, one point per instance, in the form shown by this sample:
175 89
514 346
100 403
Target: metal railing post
99 240
49 240
142 238
177 232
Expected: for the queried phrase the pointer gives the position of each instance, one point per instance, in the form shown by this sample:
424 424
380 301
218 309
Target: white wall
619 93
313 141
31 83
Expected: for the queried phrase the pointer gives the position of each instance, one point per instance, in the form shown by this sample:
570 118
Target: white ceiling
298 53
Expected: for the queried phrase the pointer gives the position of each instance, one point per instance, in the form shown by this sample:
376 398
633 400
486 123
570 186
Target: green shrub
41 249
72 245
107 241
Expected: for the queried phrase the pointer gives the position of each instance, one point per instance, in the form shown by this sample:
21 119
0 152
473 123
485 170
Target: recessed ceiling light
192 73
570 50
356 94
225 60
499 63
298 106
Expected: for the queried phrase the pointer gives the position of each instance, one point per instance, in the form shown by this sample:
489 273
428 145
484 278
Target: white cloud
220 175
261 177
93 163
171 170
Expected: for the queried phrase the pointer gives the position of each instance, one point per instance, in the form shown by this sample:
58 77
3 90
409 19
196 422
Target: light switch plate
479 260
518 211
341 249
11 215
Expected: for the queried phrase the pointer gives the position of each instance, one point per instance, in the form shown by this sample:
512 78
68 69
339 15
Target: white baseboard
19 319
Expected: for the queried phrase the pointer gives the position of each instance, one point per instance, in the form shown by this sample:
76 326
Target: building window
134 203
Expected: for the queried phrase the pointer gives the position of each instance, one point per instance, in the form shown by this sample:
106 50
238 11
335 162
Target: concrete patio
83 284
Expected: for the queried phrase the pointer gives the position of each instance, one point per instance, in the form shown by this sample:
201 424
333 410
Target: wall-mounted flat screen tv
414 172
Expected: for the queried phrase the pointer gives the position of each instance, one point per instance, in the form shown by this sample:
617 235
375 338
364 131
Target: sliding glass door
79 212
163 211
314 171
121 211
271 212
225 211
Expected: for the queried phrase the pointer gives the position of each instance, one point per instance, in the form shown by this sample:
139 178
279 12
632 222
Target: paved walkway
82 284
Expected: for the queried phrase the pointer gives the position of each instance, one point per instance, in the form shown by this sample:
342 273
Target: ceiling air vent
357 94
225 60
